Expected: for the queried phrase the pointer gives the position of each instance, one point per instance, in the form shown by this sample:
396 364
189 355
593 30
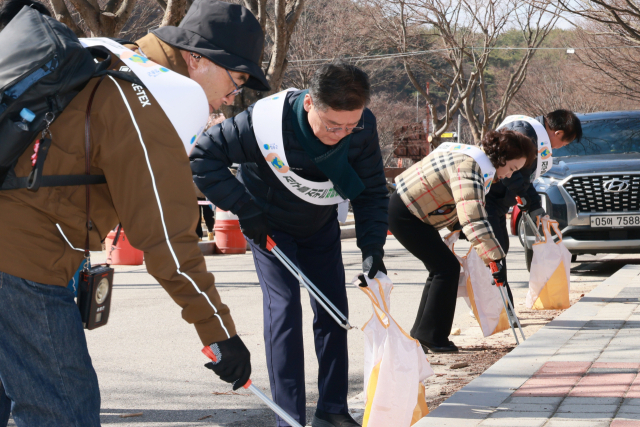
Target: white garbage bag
394 364
550 278
476 286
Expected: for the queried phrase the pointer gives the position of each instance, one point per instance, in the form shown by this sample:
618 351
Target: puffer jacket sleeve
370 208
468 194
526 189
231 141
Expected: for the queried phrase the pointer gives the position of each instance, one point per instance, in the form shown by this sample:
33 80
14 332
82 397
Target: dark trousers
438 303
320 259
5 407
209 220
499 226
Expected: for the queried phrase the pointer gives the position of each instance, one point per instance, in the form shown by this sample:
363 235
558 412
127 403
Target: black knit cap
227 34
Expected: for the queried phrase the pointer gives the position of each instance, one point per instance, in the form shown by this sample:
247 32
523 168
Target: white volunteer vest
545 161
182 100
267 127
486 167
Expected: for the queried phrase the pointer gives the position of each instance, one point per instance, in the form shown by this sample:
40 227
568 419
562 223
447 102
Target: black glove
514 184
253 223
537 212
233 363
525 204
372 262
458 227
500 276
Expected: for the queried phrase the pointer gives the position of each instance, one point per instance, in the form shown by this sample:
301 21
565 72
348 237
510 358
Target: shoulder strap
87 165
54 181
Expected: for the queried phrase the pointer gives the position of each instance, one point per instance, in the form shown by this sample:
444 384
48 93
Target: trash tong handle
528 219
494 268
255 390
271 404
333 311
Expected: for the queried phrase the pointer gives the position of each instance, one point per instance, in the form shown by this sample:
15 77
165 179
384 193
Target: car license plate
616 221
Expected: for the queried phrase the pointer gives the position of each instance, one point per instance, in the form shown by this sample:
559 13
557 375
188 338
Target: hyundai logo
616 185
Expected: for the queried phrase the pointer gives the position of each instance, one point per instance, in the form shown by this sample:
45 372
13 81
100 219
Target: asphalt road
148 359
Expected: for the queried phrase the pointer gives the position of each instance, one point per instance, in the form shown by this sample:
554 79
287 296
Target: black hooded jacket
233 141
501 198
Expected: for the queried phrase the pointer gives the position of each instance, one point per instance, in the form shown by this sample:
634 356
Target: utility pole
417 107
428 120
459 126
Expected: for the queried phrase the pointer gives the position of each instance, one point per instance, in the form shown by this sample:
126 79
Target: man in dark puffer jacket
326 133
562 128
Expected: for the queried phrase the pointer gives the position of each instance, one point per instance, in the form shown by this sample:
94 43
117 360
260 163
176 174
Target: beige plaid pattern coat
444 188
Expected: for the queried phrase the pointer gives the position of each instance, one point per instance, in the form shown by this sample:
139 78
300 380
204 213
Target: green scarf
331 160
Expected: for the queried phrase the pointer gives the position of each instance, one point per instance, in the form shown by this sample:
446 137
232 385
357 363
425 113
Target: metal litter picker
508 308
313 290
255 390
529 221
318 296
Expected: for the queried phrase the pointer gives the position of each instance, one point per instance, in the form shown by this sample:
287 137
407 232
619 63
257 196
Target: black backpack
43 66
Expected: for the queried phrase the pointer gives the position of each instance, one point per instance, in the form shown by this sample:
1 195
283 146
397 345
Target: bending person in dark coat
561 128
301 153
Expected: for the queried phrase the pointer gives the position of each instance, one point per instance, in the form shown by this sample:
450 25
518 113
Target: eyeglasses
236 91
346 129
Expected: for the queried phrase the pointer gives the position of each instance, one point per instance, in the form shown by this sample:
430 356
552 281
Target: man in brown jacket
45 370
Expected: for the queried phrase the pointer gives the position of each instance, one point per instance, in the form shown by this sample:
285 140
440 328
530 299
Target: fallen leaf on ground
204 418
456 331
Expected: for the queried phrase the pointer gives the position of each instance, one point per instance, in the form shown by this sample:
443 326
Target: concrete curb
487 394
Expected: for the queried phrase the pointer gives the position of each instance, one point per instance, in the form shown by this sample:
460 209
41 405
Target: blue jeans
45 369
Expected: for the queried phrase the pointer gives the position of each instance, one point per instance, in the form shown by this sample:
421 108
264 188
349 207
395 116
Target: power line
320 61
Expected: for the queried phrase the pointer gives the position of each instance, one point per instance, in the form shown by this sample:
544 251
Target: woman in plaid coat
446 188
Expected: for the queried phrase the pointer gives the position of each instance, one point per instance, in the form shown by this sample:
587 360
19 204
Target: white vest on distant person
267 127
486 167
545 161
182 99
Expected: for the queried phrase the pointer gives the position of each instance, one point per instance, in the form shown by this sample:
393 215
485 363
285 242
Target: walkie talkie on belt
96 283
94 296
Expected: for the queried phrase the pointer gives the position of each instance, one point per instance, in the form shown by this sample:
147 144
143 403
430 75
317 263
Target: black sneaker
325 419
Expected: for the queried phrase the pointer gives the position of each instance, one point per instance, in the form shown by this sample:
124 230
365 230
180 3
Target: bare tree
608 39
460 37
278 26
569 85
390 113
618 18
146 16
107 18
326 30
95 19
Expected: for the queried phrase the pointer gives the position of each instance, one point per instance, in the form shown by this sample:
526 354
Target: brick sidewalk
580 370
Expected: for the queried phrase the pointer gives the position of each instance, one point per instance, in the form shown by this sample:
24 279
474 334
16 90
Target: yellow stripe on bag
555 294
503 323
421 410
371 392
472 299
